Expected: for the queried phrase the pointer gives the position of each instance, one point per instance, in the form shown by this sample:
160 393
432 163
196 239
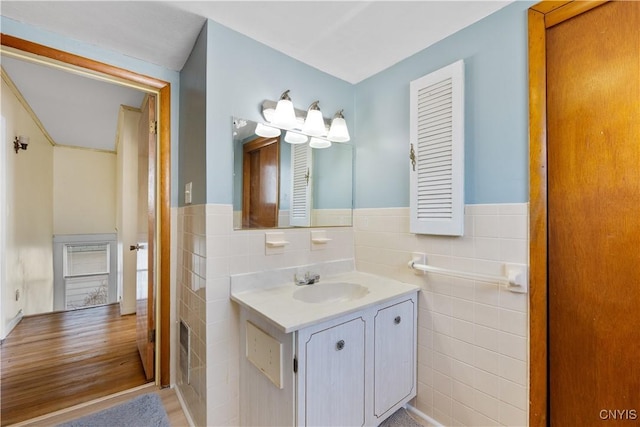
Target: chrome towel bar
515 277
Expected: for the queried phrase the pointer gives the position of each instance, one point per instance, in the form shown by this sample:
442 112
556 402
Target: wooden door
145 277
261 183
593 113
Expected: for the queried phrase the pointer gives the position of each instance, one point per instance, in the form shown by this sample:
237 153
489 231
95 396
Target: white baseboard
185 409
426 418
126 310
12 324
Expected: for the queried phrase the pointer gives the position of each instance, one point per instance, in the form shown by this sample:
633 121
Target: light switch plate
188 187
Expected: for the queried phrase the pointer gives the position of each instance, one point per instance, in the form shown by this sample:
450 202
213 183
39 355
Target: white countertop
277 304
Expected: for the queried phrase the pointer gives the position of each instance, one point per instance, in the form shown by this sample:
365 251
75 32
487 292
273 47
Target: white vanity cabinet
394 356
353 370
331 374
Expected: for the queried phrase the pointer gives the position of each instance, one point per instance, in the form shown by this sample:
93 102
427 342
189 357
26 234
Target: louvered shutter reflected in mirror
301 175
437 152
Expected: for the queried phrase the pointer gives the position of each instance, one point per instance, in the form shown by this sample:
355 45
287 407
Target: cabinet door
335 376
394 355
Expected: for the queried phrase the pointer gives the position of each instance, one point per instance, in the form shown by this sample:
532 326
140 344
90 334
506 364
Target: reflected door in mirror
260 183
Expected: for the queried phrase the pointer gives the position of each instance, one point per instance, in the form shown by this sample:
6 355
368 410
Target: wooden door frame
163 233
541 16
256 144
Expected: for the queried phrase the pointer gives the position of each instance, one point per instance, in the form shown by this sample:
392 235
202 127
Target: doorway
584 74
260 183
162 188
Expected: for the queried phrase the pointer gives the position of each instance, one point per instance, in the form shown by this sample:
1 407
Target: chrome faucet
307 278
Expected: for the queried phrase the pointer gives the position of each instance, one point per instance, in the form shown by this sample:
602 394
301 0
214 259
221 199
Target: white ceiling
351 40
75 110
152 31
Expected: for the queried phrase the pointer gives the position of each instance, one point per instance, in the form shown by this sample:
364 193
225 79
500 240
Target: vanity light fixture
267 131
295 137
284 116
20 143
300 125
319 143
314 123
338 131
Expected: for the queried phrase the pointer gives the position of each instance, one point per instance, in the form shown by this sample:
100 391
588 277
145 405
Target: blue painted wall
46 38
496 115
333 177
241 74
193 116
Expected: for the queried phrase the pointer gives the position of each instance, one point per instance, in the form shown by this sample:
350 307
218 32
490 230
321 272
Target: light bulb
319 143
284 116
339 131
267 131
295 138
314 123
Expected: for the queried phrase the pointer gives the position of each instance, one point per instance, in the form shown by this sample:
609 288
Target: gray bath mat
400 418
146 410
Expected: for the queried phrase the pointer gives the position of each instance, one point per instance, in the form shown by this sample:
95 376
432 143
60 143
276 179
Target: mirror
282 185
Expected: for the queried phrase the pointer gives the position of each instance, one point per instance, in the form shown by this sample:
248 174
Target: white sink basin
330 292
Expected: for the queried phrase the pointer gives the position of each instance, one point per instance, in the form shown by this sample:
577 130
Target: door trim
163 232
541 16
247 172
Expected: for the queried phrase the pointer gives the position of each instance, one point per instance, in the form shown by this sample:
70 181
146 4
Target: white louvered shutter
301 175
437 141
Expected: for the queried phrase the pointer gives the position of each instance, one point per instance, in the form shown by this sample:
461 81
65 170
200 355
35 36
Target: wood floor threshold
133 391
171 400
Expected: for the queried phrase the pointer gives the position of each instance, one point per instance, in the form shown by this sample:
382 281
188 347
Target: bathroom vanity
341 352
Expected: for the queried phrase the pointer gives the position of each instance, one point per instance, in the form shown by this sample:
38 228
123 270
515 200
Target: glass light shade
314 124
339 131
319 143
268 113
295 138
284 116
267 131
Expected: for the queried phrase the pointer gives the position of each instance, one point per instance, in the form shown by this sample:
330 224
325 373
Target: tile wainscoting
319 218
472 336
191 279
209 253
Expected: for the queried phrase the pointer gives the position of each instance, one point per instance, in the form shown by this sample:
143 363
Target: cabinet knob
340 345
397 320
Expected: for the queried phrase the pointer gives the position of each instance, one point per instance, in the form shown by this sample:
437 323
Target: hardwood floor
58 360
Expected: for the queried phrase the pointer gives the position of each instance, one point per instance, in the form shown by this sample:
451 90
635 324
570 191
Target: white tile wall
191 282
319 218
472 336
210 251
